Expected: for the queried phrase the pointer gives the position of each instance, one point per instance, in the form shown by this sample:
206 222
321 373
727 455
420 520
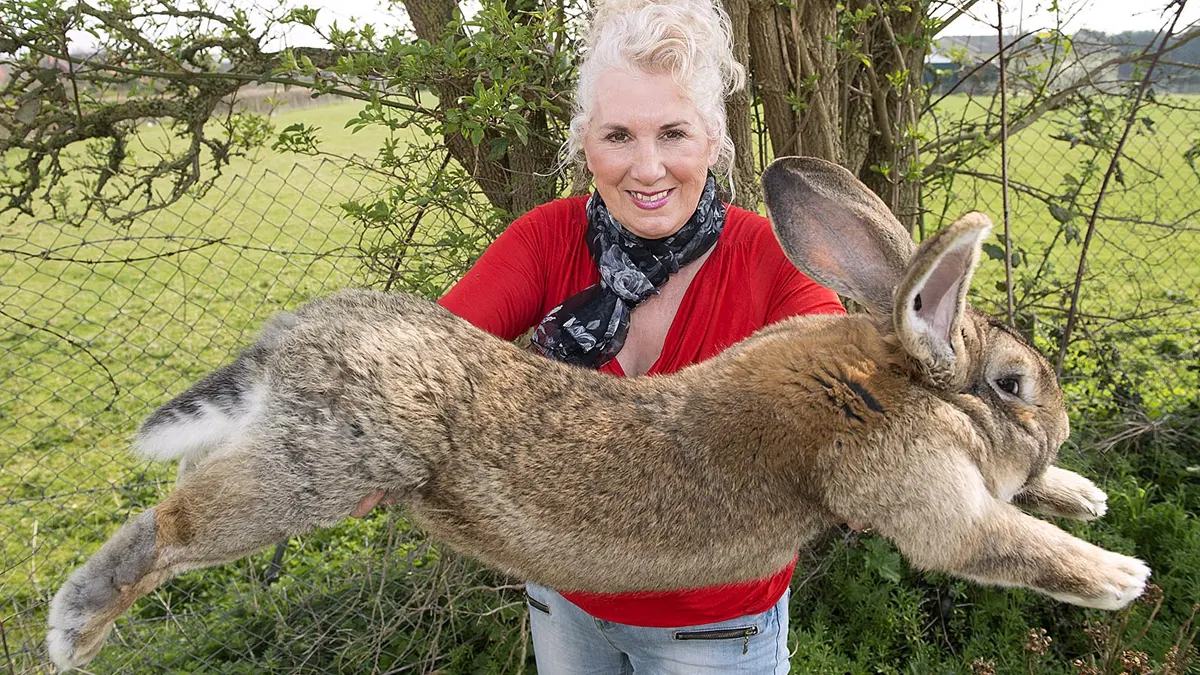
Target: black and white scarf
589 328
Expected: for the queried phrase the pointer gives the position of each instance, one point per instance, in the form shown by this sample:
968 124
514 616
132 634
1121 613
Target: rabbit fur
923 418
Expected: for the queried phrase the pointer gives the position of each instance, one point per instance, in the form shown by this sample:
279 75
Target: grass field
89 349
1144 260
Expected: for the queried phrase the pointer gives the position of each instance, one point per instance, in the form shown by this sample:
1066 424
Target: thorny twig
1073 310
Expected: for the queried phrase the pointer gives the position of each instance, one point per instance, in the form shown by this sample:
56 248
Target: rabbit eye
1009 385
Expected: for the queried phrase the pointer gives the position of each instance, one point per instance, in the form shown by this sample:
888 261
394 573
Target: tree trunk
771 77
820 125
746 188
895 111
521 179
821 99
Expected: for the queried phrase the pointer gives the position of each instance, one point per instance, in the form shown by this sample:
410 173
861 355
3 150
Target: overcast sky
1109 16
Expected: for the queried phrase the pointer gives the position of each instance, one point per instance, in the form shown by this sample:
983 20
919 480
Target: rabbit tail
210 414
217 409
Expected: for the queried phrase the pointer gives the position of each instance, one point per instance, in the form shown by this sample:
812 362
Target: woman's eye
1009 385
617 137
674 135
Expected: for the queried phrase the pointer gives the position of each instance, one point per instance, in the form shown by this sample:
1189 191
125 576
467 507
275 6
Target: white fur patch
198 435
58 645
975 498
61 651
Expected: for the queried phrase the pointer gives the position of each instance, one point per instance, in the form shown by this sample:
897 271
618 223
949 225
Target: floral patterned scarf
589 328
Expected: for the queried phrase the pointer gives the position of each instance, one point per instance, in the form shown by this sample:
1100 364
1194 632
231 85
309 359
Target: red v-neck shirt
745 284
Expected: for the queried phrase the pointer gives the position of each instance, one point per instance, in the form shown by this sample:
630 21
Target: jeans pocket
536 604
743 633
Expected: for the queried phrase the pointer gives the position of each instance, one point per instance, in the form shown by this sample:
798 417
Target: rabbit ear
932 297
835 230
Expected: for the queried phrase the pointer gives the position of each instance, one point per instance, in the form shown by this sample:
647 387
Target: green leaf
287 62
497 148
1060 214
883 559
306 16
994 251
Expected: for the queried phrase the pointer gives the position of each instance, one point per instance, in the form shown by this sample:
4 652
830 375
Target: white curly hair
692 40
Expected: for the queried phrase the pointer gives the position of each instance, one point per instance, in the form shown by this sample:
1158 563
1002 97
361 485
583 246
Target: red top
745 284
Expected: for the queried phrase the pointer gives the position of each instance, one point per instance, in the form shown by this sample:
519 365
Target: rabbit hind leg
219 514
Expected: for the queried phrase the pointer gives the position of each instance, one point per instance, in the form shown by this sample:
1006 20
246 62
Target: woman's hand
371 501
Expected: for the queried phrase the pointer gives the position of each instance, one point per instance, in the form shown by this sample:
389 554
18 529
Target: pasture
101 324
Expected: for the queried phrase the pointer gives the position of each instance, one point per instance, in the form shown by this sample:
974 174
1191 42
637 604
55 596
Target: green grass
91 348
1136 265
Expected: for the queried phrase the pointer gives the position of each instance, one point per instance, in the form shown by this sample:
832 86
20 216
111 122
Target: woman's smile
651 200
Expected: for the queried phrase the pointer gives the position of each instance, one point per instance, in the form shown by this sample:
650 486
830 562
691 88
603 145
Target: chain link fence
102 324
1102 218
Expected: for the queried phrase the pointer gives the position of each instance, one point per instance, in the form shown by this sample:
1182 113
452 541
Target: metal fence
101 324
1104 225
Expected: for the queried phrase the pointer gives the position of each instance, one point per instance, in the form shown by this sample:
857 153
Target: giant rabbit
923 418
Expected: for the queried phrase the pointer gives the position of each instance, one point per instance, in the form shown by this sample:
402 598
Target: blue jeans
569 641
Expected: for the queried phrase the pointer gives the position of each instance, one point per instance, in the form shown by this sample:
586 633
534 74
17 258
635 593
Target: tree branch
1072 312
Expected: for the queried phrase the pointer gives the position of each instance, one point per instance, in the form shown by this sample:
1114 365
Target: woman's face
648 150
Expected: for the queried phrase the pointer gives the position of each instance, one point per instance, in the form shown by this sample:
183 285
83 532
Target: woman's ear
583 149
714 152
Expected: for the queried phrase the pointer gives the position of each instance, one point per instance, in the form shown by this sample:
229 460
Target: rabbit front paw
1088 500
1059 492
1118 580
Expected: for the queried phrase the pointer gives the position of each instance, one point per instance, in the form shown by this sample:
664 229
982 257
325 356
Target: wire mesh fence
101 324
1102 222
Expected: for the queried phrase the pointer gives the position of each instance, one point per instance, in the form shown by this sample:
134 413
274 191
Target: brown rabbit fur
924 421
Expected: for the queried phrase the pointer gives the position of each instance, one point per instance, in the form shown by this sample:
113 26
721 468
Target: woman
650 274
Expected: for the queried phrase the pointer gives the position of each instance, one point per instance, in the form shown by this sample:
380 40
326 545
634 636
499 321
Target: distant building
963 63
940 68
969 64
